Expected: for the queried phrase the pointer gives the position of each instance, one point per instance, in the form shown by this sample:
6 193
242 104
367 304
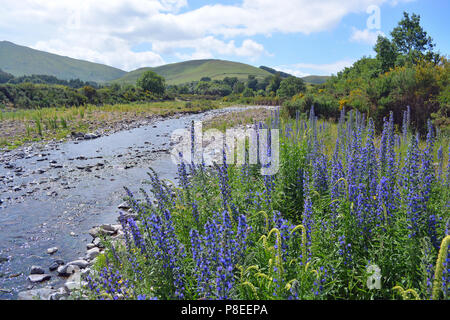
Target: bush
152 82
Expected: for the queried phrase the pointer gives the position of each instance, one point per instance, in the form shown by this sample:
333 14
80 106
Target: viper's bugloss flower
137 236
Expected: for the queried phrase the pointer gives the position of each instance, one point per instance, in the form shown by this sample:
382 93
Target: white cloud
110 51
365 36
305 69
206 48
106 30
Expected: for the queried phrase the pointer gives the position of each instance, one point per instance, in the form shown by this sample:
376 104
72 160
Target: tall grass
55 122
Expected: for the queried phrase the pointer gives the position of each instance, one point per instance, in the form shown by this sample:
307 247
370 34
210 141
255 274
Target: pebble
74 282
39 277
124 206
55 265
43 294
92 253
79 263
67 270
60 294
37 270
52 250
98 242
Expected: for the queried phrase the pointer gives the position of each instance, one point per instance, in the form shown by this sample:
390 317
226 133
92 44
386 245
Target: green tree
274 84
238 87
248 93
231 81
291 86
262 84
411 40
150 81
252 82
202 87
386 53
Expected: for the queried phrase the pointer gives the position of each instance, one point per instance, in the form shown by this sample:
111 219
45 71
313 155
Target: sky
301 37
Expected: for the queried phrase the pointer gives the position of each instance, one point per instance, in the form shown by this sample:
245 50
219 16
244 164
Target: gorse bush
348 216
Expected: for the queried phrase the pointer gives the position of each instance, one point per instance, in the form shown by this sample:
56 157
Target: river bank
53 193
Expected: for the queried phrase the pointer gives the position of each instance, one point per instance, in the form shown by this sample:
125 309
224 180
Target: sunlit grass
23 125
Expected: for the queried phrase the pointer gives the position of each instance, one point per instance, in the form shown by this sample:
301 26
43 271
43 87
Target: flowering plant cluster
344 203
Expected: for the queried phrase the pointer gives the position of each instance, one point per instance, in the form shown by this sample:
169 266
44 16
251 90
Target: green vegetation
27 95
267 90
405 72
368 220
316 79
291 86
20 61
151 82
25 125
45 79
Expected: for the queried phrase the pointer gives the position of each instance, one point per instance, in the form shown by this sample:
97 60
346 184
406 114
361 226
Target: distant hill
316 79
273 71
23 61
194 70
20 61
308 79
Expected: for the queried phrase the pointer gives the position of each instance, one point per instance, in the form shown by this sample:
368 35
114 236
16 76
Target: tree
238 87
150 81
291 86
248 93
90 93
410 39
262 85
386 53
231 81
274 84
252 82
202 87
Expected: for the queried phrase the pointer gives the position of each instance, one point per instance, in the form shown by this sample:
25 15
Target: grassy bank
19 126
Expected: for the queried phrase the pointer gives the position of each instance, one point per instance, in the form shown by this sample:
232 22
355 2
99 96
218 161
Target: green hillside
316 79
188 71
20 60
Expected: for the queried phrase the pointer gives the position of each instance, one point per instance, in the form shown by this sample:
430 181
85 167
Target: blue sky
298 36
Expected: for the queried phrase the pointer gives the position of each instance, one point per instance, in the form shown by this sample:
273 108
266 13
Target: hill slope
316 79
194 70
20 60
